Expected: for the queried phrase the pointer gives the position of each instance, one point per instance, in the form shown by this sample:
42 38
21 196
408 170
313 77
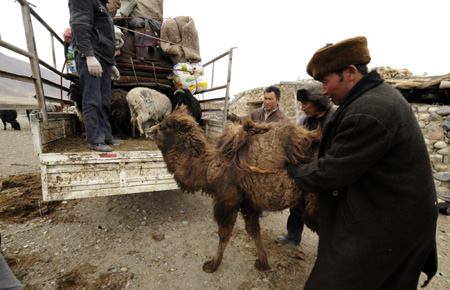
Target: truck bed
78 143
70 170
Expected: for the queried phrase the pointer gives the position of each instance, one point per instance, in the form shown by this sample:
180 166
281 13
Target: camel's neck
189 168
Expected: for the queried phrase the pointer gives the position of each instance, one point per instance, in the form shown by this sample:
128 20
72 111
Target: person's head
340 66
313 103
271 98
67 35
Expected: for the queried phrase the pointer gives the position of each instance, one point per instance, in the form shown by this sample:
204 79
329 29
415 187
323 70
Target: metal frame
35 62
226 86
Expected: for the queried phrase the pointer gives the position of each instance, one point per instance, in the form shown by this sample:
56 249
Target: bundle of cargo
154 50
181 44
141 60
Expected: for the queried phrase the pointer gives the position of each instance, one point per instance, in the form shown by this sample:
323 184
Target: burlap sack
182 43
149 8
113 6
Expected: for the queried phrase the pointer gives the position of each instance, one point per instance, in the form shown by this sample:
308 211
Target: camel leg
251 218
226 224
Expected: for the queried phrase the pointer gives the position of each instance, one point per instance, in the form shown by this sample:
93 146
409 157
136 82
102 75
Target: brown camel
243 170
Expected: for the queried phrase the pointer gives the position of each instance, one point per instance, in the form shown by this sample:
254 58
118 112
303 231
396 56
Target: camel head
179 131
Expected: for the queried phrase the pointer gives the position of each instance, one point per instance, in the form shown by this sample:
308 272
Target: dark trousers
294 226
96 100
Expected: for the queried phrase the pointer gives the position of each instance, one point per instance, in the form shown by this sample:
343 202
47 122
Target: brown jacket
258 116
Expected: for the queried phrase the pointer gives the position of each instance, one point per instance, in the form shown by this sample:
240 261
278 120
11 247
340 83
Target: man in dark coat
318 112
93 38
373 176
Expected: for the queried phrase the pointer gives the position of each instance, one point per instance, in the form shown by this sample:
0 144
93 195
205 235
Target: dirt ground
141 241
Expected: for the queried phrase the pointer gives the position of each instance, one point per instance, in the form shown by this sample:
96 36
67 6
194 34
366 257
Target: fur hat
312 92
331 58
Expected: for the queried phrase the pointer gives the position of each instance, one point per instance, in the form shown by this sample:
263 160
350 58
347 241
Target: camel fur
244 170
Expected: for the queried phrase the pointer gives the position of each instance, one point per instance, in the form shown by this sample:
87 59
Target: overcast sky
276 39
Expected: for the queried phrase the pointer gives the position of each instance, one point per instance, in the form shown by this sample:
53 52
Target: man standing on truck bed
94 43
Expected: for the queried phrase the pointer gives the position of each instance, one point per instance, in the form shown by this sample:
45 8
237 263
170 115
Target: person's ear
351 72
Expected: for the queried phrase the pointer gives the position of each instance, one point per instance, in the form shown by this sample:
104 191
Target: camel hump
265 147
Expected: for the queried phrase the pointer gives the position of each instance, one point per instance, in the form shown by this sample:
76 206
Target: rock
423 116
444 151
436 158
421 124
422 109
435 117
446 125
443 111
442 176
432 110
440 145
432 127
435 135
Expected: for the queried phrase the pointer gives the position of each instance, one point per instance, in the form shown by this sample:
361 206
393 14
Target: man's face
334 88
270 101
311 110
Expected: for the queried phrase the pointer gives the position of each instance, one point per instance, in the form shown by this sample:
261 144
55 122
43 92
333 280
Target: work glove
291 170
119 37
94 66
115 75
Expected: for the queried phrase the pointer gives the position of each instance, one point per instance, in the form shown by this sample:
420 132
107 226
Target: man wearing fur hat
373 176
318 111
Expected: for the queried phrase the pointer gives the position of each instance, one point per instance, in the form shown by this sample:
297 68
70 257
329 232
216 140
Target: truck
85 173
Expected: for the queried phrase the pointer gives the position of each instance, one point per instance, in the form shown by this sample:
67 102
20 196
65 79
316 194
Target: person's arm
82 21
235 118
360 142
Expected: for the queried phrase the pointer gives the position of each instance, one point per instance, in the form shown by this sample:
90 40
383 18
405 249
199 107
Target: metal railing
35 63
226 86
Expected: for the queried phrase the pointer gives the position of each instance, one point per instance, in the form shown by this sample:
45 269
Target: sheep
119 117
244 169
185 97
77 97
147 107
9 116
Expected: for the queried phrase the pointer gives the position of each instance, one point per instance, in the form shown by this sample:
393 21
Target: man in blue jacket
94 42
377 197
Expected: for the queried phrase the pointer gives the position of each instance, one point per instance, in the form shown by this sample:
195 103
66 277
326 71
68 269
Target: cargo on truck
68 169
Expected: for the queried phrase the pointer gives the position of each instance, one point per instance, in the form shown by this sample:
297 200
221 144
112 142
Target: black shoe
100 147
286 240
113 142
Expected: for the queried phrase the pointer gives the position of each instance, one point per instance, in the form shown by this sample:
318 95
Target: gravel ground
141 241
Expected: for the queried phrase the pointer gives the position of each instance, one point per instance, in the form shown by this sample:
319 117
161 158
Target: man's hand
115 75
94 67
291 170
231 117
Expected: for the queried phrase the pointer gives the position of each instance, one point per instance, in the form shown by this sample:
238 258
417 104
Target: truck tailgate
87 174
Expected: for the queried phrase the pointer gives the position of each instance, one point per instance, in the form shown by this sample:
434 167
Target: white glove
94 67
119 37
115 75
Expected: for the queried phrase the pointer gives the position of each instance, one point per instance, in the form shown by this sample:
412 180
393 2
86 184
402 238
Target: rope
154 73
144 66
134 71
157 38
